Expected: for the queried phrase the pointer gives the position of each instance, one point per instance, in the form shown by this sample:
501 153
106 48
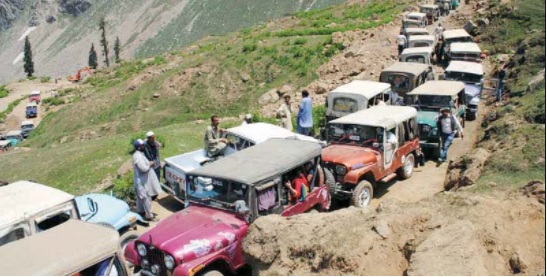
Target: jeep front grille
423 133
156 257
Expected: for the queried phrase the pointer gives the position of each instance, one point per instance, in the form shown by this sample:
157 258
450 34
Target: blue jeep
107 210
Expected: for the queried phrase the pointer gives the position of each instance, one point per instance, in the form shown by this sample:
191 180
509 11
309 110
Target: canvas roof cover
438 88
24 199
448 34
413 68
465 67
378 116
262 161
368 89
61 250
416 50
466 47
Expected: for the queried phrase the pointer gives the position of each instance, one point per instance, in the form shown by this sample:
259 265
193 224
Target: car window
415 59
344 104
464 77
420 44
237 142
52 221
398 81
268 198
11 234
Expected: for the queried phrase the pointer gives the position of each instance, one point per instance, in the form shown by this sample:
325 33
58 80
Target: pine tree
92 61
29 64
117 50
104 43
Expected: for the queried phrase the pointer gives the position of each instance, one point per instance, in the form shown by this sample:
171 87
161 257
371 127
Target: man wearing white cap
248 119
144 180
152 152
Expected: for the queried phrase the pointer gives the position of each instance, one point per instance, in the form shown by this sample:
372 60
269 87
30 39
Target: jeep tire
472 116
212 273
362 194
406 170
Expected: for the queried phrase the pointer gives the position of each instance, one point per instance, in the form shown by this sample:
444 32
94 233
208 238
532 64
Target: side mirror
241 208
376 145
451 104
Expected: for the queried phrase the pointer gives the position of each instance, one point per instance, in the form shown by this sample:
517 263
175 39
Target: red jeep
369 147
224 198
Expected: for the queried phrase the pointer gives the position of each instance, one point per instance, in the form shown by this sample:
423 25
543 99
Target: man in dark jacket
448 126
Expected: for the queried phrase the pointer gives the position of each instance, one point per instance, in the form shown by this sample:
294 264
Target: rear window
12 235
344 104
464 77
420 44
415 59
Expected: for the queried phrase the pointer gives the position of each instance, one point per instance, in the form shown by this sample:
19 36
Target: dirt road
19 90
427 180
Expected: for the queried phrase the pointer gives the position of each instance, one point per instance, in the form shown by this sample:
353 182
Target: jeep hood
109 208
427 117
195 232
348 155
472 89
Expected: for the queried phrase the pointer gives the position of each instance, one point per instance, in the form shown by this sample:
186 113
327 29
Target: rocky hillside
61 31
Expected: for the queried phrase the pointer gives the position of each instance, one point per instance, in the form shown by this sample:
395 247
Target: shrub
45 79
3 91
249 47
300 41
53 101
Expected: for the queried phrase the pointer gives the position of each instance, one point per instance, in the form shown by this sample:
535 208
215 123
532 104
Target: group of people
146 168
304 118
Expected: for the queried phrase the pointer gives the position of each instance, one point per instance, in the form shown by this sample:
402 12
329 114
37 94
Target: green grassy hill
83 143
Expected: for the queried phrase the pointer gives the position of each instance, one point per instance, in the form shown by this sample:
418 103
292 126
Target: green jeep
428 99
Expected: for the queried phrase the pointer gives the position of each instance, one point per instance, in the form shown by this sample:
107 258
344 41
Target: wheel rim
408 167
364 197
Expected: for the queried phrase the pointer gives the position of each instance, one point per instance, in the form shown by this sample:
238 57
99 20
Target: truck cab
15 137
370 147
240 138
224 198
472 74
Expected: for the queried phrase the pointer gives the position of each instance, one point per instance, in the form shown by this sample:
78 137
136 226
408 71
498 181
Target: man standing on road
284 113
213 140
501 75
152 153
401 42
144 179
304 118
438 32
448 126
446 7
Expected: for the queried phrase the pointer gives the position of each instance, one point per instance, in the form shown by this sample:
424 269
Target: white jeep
240 137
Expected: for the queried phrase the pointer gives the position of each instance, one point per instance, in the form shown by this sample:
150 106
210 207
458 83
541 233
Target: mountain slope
62 40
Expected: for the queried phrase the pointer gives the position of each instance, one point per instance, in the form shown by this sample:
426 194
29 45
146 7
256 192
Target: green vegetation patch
3 91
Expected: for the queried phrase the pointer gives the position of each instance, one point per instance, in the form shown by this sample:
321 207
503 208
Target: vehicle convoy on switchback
370 147
225 197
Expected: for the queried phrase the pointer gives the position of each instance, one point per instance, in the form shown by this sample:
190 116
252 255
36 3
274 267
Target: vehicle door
389 148
312 198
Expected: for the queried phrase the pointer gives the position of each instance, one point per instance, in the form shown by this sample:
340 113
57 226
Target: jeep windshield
429 102
350 134
27 127
345 105
464 77
215 193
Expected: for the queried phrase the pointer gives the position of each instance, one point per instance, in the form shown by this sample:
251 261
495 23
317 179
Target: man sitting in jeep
214 143
298 188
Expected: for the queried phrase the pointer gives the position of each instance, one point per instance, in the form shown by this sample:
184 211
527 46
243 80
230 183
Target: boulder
244 77
284 90
537 81
156 95
382 228
535 189
321 88
269 97
465 170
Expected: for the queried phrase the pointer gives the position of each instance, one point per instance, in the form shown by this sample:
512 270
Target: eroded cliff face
10 10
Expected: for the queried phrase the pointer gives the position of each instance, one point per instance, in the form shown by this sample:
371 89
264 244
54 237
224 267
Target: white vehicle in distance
240 137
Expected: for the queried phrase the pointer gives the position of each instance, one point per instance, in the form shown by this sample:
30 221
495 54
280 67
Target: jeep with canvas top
405 76
224 198
31 110
418 31
75 248
452 36
417 55
472 75
428 99
27 127
239 138
433 12
465 51
370 147
421 41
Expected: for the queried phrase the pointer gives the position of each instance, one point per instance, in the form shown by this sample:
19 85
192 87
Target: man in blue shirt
304 119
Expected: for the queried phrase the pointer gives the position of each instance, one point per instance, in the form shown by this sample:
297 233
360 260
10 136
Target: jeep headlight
169 261
141 249
426 128
341 170
434 132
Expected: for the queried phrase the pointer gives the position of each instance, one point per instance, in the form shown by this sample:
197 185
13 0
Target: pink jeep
224 198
